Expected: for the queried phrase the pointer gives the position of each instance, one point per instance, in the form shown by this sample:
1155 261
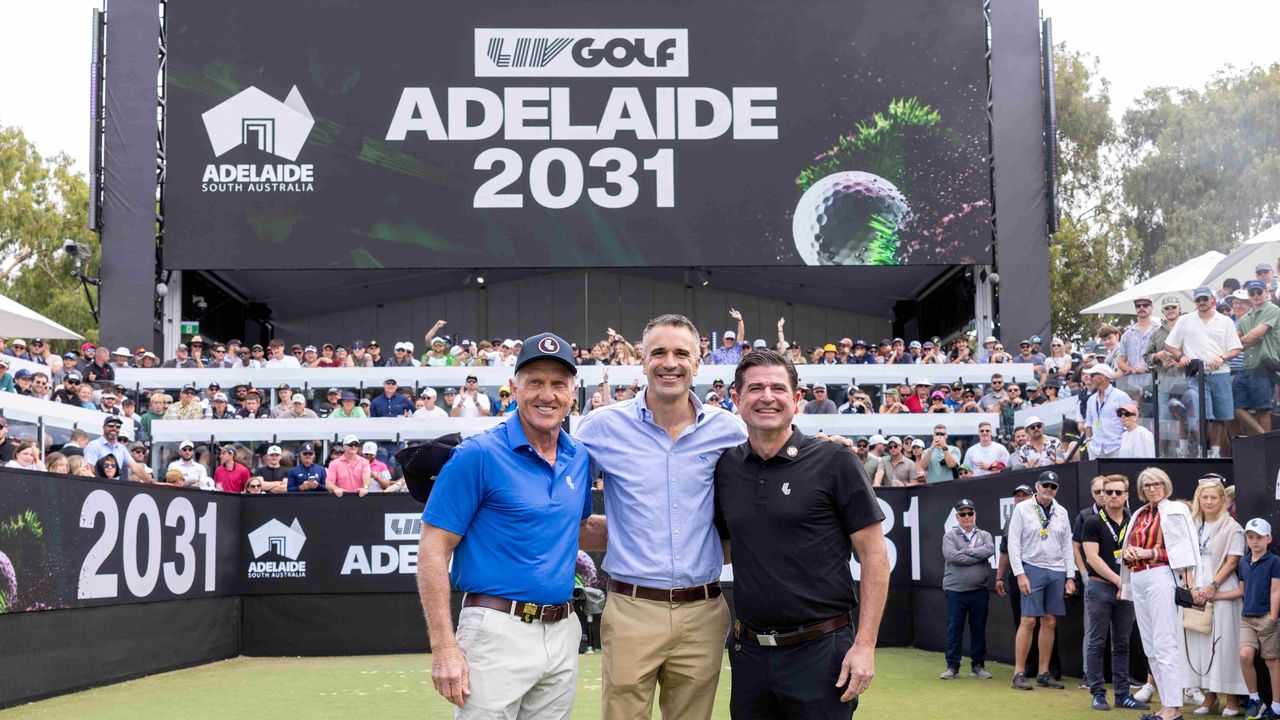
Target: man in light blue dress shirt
666 620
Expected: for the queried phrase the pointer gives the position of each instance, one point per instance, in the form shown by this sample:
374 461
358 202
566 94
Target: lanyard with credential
1044 520
1117 537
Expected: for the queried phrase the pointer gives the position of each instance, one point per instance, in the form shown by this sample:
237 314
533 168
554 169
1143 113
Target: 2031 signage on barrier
502 134
82 543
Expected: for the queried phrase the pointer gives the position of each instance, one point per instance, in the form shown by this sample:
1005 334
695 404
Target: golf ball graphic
848 218
8 581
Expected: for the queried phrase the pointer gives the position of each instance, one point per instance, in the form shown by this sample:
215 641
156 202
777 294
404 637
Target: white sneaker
1193 695
1145 692
1232 712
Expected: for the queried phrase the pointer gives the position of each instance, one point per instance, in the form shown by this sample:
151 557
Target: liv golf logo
254 118
567 52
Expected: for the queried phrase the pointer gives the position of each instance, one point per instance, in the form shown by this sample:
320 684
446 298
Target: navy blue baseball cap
1255 285
1201 292
348 395
546 346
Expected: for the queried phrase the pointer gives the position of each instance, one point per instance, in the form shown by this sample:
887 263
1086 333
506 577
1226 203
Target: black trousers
794 682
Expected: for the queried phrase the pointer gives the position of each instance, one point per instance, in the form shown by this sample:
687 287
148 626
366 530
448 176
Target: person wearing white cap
349 472
1136 441
273 476
378 470
988 347
875 452
219 409
193 473
403 356
1211 338
298 408
1133 344
821 404
731 351
1101 422
429 407
1039 449
1259 576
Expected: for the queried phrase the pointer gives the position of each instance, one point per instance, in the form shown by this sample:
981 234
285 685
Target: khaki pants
677 645
518 670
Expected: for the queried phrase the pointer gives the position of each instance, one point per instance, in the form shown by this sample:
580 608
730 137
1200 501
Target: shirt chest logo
568 480
786 488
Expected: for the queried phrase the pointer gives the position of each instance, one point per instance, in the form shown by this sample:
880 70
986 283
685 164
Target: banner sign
68 543
503 134
320 544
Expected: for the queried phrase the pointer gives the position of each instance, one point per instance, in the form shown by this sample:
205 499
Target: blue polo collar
516 438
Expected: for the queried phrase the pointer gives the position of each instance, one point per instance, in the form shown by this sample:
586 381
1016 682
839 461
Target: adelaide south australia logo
254 119
283 543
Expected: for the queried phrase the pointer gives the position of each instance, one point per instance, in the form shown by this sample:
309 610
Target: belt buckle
671 595
767 639
528 613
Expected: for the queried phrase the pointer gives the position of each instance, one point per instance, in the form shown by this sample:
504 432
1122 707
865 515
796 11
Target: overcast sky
44 50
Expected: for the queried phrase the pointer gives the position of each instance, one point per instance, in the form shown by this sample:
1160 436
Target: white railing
588 375
53 414
388 429
916 424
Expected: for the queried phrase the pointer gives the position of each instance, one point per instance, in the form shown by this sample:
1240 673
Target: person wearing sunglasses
966 550
1136 441
1210 338
1106 613
1041 557
1253 388
1158 542
1101 422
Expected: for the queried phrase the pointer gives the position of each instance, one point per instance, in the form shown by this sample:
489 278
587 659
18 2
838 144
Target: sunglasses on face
1113 493
1125 413
254 486
1049 485
186 449
1142 305
1255 292
939 434
72 381
894 445
966 513
137 450
1025 345
1037 426
985 431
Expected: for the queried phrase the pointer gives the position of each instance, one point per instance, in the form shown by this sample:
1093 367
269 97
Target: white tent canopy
18 320
1261 248
1180 280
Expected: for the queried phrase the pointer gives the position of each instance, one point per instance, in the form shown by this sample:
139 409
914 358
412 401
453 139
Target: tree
1092 254
1202 167
43 202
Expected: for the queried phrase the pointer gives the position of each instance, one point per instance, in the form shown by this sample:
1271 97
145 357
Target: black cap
112 420
422 463
1048 476
1024 489
965 503
306 448
549 346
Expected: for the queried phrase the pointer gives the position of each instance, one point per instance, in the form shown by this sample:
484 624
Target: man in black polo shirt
793 508
1101 538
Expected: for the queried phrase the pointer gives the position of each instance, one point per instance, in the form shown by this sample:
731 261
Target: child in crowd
1260 578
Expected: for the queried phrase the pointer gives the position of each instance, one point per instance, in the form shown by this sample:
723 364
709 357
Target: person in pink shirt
381 474
349 472
230 476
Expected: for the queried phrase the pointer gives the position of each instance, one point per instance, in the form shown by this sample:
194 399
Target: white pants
1159 624
519 670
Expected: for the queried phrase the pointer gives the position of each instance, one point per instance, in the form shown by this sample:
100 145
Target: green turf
387 686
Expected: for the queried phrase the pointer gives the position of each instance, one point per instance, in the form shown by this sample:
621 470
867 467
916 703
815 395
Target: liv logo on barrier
581 52
285 541
254 118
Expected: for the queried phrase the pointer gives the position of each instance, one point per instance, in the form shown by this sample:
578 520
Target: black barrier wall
189 577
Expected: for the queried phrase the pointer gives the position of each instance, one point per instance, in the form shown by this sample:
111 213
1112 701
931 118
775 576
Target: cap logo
549 345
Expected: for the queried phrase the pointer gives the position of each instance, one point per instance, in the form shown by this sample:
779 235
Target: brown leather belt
674 595
795 637
526 611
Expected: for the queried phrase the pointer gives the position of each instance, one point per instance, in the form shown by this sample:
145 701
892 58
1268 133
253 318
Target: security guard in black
789 521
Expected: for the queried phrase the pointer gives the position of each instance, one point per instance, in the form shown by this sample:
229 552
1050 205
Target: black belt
802 634
674 595
526 611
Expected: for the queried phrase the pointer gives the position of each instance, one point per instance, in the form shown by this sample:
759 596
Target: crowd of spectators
1235 346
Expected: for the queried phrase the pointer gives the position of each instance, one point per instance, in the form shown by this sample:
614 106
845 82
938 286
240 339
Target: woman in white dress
1211 663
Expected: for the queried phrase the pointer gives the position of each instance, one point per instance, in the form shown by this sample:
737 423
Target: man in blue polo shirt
108 444
509 507
391 403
